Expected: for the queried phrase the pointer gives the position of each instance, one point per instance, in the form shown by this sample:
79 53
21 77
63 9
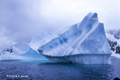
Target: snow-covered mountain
84 42
115 33
113 37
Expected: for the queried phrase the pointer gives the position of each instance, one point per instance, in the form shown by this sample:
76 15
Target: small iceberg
20 51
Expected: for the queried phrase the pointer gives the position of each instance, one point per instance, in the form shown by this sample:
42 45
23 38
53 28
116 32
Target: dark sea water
45 70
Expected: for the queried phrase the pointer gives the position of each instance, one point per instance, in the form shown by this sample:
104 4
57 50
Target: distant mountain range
115 33
113 37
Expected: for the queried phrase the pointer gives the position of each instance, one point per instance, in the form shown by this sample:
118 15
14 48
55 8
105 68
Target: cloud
21 19
72 11
4 41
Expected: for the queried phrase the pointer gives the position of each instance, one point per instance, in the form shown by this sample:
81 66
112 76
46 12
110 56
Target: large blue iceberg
83 43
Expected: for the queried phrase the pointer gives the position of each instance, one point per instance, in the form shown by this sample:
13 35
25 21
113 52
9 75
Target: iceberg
83 43
20 51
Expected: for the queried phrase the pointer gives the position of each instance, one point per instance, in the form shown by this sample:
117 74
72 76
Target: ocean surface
45 70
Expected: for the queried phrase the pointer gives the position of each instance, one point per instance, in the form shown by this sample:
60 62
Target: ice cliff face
84 43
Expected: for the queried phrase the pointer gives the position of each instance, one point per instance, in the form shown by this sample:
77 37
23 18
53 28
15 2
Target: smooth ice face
20 48
87 37
95 42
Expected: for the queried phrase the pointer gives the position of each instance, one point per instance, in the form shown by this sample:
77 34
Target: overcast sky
21 19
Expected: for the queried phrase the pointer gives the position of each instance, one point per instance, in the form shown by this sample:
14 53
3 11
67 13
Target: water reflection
81 72
58 71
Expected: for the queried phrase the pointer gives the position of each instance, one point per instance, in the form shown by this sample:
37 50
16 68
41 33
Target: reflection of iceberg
83 43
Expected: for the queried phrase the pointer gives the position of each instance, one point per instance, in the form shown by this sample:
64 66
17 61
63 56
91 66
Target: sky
22 19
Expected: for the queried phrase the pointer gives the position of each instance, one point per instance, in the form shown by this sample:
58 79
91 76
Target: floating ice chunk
21 51
84 43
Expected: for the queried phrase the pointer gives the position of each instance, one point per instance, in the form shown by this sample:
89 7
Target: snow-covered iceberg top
86 37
